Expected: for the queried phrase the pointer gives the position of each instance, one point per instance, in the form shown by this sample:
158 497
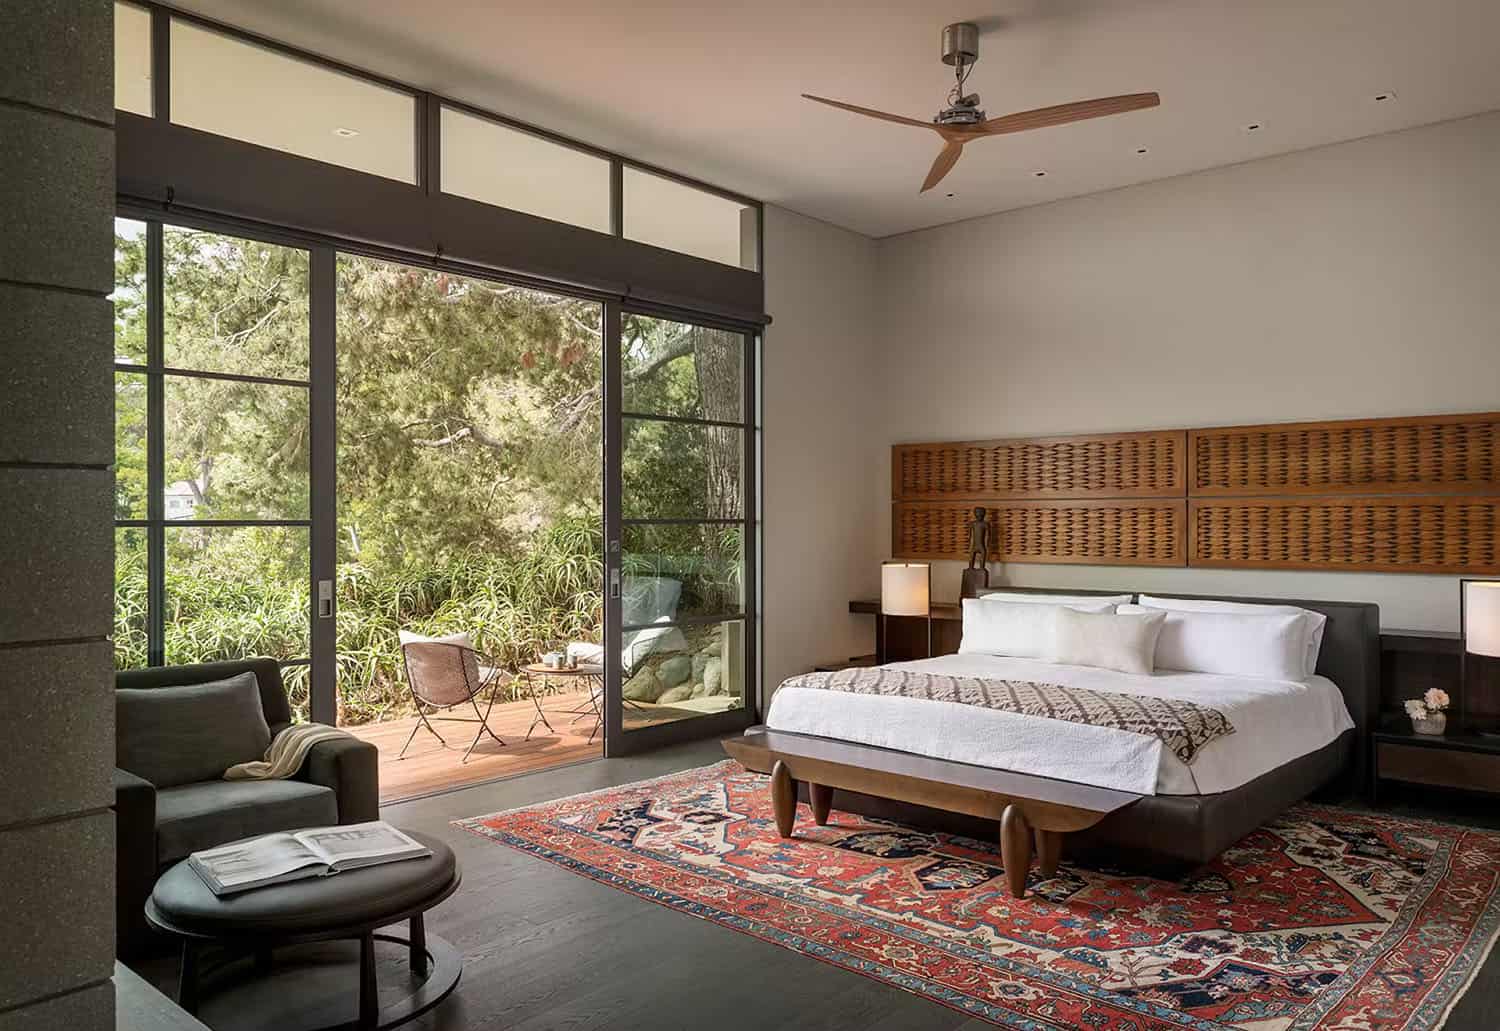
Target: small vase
1434 724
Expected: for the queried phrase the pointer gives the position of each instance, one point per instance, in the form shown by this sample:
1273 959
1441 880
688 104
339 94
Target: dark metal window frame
620 741
535 253
426 132
156 373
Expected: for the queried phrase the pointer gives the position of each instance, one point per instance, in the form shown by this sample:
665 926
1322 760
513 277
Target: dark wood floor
548 949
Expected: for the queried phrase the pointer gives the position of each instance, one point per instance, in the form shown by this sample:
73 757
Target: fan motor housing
960 43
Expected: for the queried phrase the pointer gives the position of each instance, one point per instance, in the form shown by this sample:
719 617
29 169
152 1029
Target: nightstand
852 663
1457 760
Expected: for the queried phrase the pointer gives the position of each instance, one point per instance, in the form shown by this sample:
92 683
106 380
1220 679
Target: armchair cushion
179 735
197 816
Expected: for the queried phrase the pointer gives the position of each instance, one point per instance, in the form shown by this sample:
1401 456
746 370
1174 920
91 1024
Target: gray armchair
170 798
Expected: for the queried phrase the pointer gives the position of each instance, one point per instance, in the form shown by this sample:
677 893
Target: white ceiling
710 89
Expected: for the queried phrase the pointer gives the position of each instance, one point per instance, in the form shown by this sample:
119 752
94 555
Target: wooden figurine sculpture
977 574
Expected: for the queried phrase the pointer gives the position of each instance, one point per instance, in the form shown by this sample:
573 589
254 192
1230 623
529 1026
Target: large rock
675 670
699 689
644 687
700 662
713 677
680 693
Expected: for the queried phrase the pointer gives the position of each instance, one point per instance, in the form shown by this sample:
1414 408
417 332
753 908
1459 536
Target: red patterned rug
1325 919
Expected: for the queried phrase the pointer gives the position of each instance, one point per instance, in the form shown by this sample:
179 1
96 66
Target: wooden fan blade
946 159
871 112
1062 114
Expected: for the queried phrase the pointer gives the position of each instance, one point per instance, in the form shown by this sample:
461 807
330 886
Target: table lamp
1479 620
906 590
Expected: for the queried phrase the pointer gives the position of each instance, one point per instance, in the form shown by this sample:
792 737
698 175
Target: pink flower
1436 698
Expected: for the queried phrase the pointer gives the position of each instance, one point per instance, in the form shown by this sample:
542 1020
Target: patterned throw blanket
1184 727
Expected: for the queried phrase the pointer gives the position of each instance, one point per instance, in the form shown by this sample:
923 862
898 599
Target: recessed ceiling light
1140 150
344 133
950 194
1387 95
1039 174
1252 127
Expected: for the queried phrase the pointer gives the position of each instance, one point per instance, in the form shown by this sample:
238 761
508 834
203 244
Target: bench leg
1015 849
783 798
821 798
1048 851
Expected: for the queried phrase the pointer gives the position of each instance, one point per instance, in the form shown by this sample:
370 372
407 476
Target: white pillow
1108 640
461 639
1234 644
1313 622
1073 600
1023 631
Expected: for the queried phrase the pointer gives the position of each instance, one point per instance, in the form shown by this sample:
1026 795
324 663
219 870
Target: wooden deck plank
433 766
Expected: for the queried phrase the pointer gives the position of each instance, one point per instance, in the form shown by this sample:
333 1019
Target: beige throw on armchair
286 752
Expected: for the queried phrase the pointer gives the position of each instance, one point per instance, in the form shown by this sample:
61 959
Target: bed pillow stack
1023 630
1238 639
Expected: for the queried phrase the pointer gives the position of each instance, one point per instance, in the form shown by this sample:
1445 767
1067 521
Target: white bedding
1275 722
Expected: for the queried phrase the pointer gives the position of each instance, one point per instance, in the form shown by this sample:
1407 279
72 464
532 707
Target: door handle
325 599
614 582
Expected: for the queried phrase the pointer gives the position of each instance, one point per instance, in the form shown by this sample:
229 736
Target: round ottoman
353 905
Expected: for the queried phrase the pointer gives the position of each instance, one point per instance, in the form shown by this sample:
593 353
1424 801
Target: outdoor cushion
649 599
198 816
179 735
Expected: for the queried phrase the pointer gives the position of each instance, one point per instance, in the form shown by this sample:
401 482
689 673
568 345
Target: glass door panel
683 529
212 449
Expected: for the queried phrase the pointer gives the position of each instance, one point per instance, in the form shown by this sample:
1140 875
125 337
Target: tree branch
460 435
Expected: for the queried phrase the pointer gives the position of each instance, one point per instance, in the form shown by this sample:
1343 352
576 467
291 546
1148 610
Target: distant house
180 500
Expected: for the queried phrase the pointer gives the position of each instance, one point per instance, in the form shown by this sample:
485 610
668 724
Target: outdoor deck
430 766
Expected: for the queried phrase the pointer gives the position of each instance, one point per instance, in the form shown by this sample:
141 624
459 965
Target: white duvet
1275 721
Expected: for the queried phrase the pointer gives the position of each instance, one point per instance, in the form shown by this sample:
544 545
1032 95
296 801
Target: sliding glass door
683 530
316 451
213 488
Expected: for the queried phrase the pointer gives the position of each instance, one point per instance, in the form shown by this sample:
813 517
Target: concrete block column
57 188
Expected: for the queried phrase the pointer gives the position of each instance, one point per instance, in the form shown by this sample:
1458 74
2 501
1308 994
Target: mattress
1275 722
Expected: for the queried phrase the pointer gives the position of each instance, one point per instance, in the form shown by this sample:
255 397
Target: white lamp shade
1482 617
904 589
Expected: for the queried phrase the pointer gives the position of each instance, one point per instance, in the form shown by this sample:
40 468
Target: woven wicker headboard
1414 495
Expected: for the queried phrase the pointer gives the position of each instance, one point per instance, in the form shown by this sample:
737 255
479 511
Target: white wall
1360 279
821 438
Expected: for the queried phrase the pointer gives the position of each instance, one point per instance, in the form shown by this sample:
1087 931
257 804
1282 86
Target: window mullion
156 547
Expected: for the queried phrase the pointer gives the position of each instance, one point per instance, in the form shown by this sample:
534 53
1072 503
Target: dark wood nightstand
855 662
1454 760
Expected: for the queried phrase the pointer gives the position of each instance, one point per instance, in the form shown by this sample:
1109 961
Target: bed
938 763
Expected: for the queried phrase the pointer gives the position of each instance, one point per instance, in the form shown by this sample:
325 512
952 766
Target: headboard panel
1403 495
1350 656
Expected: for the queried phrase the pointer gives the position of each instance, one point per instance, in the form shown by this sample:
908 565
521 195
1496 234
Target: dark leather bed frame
1166 834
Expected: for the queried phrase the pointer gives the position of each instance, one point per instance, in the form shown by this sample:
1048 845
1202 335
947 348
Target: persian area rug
1326 919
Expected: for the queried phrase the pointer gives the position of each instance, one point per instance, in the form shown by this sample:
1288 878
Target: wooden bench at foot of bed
1028 808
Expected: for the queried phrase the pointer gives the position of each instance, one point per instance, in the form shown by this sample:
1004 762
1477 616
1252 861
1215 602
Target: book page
256 860
358 841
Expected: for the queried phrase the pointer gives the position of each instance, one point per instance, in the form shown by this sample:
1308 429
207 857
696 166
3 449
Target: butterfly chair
445 674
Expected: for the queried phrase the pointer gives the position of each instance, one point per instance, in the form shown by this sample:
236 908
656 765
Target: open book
294 855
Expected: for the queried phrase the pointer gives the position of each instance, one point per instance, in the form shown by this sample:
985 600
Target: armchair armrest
135 858
352 769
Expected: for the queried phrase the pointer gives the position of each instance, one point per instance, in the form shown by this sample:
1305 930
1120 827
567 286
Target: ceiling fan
963 121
